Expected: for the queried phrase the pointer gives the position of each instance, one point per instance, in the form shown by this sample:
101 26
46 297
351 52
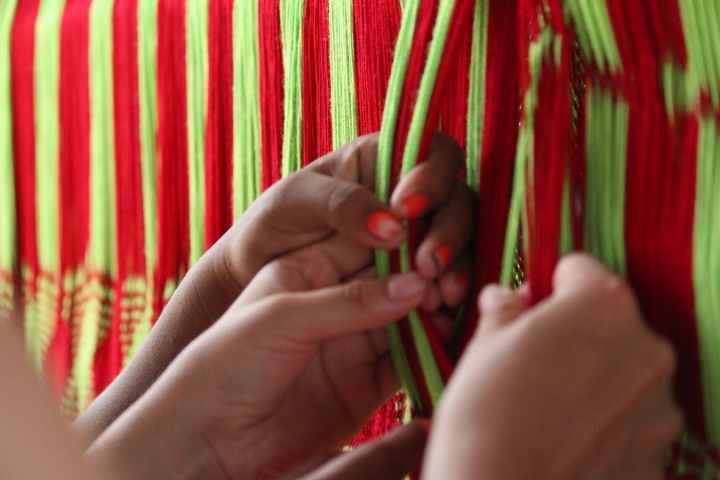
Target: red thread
377 24
173 178
272 95
500 132
219 138
317 116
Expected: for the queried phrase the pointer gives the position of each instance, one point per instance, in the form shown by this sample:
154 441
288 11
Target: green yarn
102 144
701 21
476 94
706 276
343 98
40 315
524 160
8 233
247 142
103 228
517 209
197 89
383 176
147 90
607 130
428 363
47 128
291 22
595 32
427 85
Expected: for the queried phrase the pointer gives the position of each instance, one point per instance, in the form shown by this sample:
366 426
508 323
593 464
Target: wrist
160 437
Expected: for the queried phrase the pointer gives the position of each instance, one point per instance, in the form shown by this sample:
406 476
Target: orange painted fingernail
383 226
442 257
461 279
415 205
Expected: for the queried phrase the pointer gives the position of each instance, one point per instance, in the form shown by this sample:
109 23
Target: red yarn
22 62
173 178
219 128
377 24
317 116
499 142
272 95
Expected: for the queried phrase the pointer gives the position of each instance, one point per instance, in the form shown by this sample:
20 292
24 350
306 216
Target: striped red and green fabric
134 132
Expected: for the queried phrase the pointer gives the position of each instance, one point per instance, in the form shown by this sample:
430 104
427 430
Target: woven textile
134 132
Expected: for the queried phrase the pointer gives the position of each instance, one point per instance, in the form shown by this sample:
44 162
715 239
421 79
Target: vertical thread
148 119
197 89
342 72
101 261
476 93
706 257
47 118
291 23
8 231
219 141
247 143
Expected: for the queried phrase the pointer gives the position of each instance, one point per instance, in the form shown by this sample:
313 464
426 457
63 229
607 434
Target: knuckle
442 142
344 196
359 293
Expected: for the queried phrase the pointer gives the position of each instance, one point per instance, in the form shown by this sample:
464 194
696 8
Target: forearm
160 436
202 297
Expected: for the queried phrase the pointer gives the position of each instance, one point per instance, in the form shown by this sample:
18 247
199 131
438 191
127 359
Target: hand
334 195
577 387
277 380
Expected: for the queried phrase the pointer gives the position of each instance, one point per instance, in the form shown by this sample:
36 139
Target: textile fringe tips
133 133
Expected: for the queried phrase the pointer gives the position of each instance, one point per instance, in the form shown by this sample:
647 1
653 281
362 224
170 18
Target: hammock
134 132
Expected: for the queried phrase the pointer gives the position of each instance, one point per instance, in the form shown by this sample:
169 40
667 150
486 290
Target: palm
299 398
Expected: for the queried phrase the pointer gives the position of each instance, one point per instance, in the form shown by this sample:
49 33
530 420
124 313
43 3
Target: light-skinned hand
577 387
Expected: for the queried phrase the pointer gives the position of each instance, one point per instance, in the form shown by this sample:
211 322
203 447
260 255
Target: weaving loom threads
219 139
141 128
317 90
197 74
247 138
47 282
7 168
342 73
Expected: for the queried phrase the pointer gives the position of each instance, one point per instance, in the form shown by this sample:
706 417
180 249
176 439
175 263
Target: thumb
500 306
344 309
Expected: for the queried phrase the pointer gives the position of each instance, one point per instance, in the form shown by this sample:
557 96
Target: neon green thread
342 73
197 87
247 142
8 250
476 94
291 21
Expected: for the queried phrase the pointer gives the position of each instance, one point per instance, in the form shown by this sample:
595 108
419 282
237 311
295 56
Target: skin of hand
576 387
34 440
332 195
276 381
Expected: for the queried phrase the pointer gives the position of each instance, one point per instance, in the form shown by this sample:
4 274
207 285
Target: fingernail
415 205
442 257
404 287
383 226
461 279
